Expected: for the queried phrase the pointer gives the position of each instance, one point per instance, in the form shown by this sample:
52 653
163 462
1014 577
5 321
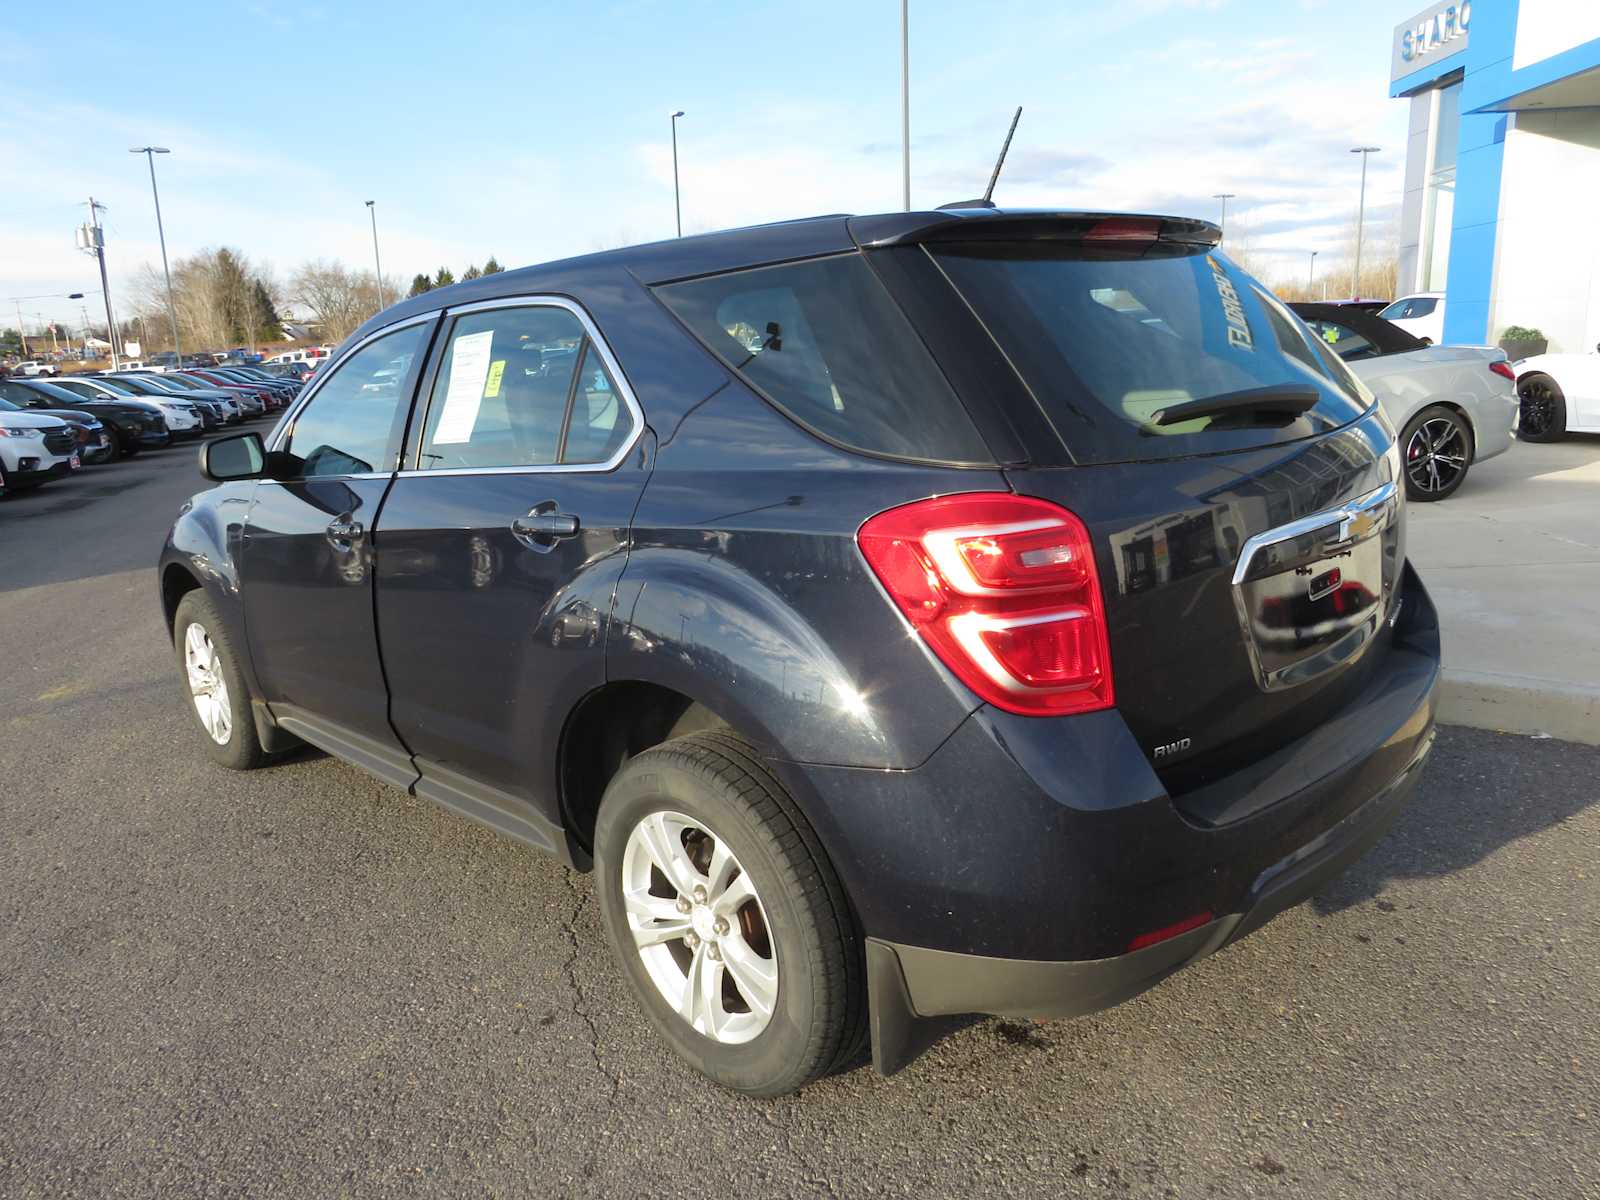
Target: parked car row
50 428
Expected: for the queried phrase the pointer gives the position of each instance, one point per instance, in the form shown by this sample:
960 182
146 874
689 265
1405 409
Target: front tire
1436 449
218 699
1544 409
727 918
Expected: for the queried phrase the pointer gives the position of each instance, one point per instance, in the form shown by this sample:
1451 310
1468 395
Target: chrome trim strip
624 389
1345 517
292 413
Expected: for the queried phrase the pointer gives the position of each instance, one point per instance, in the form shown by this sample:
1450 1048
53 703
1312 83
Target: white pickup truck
34 367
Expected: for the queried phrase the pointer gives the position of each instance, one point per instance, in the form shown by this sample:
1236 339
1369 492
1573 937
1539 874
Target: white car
1560 395
34 448
34 366
1420 314
1453 405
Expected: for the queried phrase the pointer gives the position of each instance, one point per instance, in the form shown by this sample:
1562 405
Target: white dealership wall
1547 256
1547 27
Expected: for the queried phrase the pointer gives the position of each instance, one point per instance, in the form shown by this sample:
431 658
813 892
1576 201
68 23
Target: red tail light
1004 589
1502 368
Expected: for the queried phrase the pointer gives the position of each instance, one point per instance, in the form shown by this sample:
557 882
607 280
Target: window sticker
469 371
496 369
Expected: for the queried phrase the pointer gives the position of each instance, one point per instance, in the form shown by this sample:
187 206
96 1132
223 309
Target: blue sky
535 130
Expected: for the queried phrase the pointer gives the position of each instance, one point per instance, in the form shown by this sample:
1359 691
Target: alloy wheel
1538 407
699 927
1436 455
207 686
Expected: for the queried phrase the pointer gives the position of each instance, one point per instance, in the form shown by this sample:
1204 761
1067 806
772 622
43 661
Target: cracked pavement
301 981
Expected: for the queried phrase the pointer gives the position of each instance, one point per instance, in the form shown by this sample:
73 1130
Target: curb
1521 704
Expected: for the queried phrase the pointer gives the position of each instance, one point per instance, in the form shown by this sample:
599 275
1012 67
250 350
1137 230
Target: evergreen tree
419 284
470 273
444 278
492 267
269 325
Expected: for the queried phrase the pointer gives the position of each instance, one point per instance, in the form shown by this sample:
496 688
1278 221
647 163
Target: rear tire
1544 409
214 686
707 807
1436 451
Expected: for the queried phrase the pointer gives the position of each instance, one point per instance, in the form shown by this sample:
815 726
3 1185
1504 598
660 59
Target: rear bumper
1012 873
911 983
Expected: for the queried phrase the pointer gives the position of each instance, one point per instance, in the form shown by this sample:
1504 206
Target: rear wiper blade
1280 400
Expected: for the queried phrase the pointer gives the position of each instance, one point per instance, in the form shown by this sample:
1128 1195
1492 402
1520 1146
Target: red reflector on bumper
1171 931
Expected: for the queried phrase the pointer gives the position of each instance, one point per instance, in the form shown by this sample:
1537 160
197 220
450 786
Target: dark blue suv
905 616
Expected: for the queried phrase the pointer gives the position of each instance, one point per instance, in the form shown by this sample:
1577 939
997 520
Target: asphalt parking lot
303 982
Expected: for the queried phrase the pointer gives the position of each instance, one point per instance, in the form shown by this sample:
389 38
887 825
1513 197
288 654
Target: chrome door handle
343 530
544 526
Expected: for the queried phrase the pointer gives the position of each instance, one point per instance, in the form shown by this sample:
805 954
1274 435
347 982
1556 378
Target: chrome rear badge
1172 748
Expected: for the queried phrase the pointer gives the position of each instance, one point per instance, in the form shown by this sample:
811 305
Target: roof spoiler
977 224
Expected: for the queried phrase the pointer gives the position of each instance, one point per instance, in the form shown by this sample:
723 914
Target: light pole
377 263
150 153
905 103
1361 217
1311 276
1222 222
677 203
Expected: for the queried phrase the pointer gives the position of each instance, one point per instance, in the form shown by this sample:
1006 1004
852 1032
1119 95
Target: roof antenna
1000 162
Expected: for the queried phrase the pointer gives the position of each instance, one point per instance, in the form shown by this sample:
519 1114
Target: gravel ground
303 982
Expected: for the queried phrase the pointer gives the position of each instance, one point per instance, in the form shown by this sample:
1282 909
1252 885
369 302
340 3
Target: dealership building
1502 186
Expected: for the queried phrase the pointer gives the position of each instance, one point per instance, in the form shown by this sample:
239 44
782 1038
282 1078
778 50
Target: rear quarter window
824 342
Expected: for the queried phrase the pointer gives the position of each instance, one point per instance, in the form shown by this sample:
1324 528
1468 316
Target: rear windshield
824 342
1105 339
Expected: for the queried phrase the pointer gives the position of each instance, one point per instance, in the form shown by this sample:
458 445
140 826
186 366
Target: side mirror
241 456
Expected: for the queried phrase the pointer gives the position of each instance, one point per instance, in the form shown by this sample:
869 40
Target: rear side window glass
500 396
523 387
826 344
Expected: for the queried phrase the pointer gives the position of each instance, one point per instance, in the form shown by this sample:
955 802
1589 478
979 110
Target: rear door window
1107 337
825 343
523 387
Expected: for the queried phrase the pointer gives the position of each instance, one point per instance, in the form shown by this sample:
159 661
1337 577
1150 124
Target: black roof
782 241
1387 337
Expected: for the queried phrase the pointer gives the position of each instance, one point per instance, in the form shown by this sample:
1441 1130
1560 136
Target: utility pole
150 153
677 203
1222 222
1361 218
22 331
905 103
92 240
1311 276
376 261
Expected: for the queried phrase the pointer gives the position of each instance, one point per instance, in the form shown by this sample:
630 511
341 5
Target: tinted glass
116 385
500 397
83 391
600 421
825 342
37 390
1344 341
1106 337
348 427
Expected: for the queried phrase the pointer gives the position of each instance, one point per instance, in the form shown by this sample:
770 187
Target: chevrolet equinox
904 616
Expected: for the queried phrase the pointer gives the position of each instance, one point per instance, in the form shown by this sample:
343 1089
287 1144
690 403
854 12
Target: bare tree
338 298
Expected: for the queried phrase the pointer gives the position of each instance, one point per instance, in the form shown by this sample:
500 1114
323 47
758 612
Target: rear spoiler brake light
984 224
